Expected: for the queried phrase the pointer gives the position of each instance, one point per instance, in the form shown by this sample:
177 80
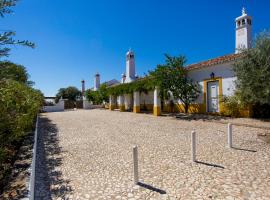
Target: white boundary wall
88 105
59 107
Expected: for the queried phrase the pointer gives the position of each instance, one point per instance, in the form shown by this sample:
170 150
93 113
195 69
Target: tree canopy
99 96
172 79
12 71
70 93
6 37
253 72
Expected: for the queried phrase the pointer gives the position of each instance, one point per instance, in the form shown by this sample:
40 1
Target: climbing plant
141 85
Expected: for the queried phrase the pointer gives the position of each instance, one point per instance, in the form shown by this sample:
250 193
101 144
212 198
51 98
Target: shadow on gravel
16 187
209 164
50 183
241 149
149 187
189 117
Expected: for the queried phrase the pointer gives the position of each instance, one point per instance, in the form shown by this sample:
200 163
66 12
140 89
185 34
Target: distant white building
215 76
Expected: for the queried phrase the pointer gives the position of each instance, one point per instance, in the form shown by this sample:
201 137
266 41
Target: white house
215 76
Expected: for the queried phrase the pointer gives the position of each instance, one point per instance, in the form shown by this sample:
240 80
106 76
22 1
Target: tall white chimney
130 67
97 82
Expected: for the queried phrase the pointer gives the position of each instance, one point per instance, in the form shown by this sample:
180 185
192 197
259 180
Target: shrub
99 96
19 105
232 106
12 71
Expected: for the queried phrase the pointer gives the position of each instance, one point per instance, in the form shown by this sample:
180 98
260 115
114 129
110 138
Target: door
212 96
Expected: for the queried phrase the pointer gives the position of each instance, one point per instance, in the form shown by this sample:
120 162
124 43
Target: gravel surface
87 154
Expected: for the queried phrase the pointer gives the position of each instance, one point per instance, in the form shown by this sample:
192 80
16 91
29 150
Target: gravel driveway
87 154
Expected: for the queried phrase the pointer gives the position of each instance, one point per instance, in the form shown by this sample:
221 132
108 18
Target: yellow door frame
220 95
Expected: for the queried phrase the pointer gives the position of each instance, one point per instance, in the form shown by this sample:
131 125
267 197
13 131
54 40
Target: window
243 22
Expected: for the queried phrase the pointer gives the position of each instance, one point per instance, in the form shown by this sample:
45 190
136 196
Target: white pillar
230 135
112 102
135 164
157 104
121 103
193 146
136 105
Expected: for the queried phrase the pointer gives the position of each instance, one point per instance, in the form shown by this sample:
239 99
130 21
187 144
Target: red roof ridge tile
214 61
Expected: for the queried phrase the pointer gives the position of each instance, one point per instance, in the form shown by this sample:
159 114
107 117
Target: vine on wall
141 85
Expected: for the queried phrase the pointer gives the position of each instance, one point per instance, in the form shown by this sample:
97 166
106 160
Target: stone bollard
193 146
135 164
230 135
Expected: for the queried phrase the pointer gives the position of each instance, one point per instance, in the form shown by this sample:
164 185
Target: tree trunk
186 107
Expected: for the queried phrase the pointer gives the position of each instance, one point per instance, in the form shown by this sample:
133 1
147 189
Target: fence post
135 164
230 135
193 146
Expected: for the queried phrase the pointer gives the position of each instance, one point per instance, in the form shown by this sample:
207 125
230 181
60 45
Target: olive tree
172 78
7 37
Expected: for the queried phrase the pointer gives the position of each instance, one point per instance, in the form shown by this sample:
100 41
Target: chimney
83 87
123 78
96 82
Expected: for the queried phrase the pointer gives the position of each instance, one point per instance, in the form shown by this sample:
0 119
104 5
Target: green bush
12 71
99 96
19 105
232 106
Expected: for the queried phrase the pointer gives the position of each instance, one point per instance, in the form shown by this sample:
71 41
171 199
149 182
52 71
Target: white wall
59 107
222 70
86 104
147 98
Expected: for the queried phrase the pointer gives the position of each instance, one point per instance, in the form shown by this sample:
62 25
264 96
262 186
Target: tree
99 96
172 79
12 71
6 37
93 96
70 93
253 72
103 91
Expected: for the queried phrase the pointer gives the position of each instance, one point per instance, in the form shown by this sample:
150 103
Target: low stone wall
88 105
59 107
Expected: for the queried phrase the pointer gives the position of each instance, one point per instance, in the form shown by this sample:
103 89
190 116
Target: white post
135 164
230 135
193 146
157 102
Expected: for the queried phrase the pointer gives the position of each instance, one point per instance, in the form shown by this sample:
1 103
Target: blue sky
76 39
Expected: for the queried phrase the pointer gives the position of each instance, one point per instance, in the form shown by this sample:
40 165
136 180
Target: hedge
19 105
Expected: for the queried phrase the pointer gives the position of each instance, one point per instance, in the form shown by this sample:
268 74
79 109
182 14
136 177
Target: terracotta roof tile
214 61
